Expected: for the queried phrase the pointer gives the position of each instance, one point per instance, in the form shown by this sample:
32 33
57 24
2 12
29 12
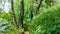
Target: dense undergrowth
46 22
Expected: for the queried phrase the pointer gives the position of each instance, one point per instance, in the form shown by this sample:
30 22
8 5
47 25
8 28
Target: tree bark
21 12
13 14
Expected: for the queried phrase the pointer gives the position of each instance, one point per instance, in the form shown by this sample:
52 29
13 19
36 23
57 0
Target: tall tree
21 12
13 14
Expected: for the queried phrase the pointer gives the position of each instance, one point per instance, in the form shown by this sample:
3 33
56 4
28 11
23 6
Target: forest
29 16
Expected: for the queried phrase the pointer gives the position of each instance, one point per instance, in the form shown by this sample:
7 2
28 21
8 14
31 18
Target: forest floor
26 32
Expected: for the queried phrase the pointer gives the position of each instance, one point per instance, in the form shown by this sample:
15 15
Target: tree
13 14
21 16
21 12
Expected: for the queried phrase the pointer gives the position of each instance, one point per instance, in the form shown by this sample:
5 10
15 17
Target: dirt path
26 32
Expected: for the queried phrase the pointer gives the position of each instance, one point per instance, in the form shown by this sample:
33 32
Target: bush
46 20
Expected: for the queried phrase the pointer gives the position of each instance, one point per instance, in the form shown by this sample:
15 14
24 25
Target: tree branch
39 5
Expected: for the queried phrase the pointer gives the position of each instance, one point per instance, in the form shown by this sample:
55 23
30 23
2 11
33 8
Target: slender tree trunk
13 14
21 12
39 6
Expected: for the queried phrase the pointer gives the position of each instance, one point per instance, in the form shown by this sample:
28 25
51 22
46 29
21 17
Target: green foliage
17 8
50 2
6 27
46 20
6 16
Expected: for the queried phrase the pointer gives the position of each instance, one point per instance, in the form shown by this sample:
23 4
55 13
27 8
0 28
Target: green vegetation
46 17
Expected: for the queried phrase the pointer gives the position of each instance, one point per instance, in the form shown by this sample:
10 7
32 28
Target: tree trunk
39 6
13 14
21 12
